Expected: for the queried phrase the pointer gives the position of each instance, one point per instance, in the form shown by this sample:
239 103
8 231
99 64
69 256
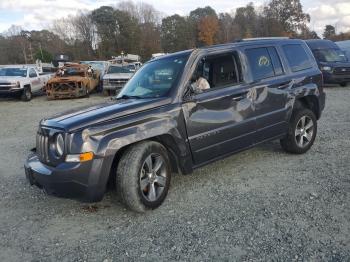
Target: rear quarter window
297 57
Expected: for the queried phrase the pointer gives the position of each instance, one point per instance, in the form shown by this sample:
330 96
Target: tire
343 84
302 132
106 92
87 92
26 94
138 188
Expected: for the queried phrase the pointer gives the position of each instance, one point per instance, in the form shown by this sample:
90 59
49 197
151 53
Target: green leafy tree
329 32
288 14
44 56
174 33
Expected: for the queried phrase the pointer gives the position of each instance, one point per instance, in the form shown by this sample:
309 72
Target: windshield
13 72
118 70
156 78
71 71
330 55
96 65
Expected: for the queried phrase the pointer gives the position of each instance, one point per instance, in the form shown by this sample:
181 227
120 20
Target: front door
35 82
219 120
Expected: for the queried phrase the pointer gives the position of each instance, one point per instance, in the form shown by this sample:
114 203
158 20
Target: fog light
84 157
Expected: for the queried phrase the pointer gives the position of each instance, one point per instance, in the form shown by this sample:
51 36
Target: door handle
240 96
285 85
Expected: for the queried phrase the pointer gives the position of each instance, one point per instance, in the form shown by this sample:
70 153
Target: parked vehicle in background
156 55
100 66
71 81
116 78
180 112
22 81
332 61
345 46
134 66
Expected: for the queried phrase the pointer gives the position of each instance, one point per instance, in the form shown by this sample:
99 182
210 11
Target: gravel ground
262 204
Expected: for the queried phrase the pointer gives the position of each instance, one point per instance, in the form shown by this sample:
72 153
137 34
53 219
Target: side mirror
191 91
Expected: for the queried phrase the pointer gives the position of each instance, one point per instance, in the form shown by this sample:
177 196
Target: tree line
141 29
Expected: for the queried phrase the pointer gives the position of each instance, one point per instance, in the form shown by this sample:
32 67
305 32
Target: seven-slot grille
42 147
342 71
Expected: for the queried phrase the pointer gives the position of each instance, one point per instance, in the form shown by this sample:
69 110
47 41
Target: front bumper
112 87
72 180
330 78
10 91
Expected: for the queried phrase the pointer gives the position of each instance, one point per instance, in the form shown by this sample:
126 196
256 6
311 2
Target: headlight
59 145
326 68
16 84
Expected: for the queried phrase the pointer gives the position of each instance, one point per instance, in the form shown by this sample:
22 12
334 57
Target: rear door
271 84
220 120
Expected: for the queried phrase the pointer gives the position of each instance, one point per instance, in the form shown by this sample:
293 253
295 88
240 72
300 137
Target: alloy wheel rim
153 177
304 131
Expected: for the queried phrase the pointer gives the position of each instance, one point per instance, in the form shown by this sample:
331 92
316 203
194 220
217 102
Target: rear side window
297 57
264 62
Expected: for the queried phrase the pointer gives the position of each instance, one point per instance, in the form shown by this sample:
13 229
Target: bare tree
86 31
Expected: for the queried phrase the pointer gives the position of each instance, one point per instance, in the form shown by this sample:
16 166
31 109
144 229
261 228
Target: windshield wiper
128 97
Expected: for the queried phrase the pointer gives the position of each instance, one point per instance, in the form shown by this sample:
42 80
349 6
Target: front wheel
143 176
301 133
343 84
26 94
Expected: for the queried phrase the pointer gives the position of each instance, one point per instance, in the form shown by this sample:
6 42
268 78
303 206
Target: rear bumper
70 180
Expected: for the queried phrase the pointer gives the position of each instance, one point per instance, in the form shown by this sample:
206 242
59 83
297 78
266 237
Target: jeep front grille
42 147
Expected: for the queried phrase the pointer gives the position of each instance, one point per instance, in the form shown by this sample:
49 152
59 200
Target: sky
39 14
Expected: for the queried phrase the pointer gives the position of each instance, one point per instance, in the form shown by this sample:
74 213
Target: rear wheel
343 84
302 132
26 94
143 176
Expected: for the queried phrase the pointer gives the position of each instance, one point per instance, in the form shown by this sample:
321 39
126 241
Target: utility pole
41 52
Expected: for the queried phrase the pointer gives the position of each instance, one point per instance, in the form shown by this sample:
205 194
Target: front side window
260 62
32 73
297 57
217 72
156 78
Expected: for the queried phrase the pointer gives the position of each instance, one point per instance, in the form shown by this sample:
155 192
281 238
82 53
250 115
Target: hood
335 64
11 78
88 116
66 79
117 76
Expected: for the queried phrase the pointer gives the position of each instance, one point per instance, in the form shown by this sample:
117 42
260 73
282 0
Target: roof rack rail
265 38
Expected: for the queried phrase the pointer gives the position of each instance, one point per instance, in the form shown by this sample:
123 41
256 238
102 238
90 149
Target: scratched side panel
217 124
